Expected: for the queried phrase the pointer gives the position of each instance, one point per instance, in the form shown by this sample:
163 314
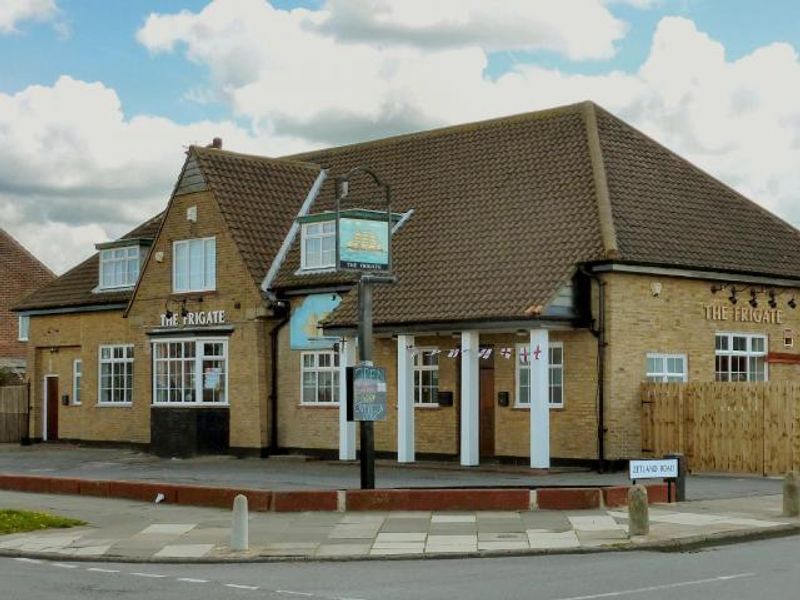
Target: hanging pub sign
366 393
364 240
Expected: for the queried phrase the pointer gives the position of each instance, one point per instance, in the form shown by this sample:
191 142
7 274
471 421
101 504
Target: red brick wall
20 274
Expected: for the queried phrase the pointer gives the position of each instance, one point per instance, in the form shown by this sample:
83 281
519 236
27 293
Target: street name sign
654 469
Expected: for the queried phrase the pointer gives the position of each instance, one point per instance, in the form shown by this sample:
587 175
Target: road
764 569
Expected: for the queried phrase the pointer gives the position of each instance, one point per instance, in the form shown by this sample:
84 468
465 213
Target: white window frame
420 368
209 277
112 361
334 369
323 235
518 401
77 380
107 257
665 375
23 328
198 369
747 354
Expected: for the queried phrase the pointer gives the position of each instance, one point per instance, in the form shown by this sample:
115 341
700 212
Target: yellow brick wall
248 346
639 322
573 428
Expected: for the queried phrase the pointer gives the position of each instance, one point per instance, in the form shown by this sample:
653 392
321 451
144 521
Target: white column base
539 358
405 399
470 380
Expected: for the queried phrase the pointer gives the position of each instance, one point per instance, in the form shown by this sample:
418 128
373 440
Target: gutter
602 343
273 387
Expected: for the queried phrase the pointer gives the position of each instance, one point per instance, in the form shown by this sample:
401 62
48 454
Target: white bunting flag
485 353
505 352
453 353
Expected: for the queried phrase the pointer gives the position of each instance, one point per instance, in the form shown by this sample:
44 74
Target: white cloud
13 12
318 76
72 164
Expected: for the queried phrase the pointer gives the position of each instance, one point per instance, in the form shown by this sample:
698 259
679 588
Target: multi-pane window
190 371
666 367
77 375
740 357
194 265
119 267
116 375
320 377
426 377
556 375
319 245
24 326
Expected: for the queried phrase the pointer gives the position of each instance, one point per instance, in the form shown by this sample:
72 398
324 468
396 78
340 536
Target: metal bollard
239 527
638 511
791 494
680 481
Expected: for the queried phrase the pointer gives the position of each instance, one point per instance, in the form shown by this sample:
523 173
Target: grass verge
19 521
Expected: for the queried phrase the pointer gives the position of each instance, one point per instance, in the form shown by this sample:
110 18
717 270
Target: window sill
318 405
430 406
526 407
315 270
113 404
190 404
188 292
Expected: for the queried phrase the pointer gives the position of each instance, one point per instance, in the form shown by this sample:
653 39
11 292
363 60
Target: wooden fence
13 413
724 427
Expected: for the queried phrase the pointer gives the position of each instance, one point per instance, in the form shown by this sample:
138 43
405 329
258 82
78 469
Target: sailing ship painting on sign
364 244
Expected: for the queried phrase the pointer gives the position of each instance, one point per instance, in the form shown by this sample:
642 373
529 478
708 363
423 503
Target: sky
99 99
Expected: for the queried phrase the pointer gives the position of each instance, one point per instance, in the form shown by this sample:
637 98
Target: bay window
190 371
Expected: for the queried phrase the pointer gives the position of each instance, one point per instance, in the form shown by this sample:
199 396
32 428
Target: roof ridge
18 245
445 130
608 232
281 161
701 171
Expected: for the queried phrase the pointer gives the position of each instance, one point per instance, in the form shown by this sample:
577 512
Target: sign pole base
367 433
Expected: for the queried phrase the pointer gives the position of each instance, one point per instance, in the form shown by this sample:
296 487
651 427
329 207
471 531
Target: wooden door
486 387
51 397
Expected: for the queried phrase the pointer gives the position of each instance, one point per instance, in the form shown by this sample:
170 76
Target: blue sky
107 93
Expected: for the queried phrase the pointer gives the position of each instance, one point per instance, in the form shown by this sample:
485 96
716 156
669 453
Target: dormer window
119 267
318 249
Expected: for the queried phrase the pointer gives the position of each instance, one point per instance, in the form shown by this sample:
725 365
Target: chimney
216 143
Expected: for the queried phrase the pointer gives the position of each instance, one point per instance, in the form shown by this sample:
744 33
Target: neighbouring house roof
505 210
75 287
18 263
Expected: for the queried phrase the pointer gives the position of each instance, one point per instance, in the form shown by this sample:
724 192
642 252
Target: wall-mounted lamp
792 304
773 303
753 300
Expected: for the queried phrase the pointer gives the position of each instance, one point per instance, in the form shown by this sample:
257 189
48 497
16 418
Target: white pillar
405 399
539 360
470 436
347 430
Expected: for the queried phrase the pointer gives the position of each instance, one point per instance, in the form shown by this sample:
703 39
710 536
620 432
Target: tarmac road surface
763 569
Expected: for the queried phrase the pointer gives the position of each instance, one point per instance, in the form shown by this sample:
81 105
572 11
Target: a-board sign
366 393
666 468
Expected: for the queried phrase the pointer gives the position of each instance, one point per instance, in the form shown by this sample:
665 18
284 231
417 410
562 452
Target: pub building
546 265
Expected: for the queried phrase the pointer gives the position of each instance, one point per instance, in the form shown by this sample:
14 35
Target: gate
724 427
13 413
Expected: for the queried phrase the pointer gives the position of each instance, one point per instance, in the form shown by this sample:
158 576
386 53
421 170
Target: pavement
127 531
298 473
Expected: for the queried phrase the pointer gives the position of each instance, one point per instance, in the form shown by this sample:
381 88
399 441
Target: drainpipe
599 332
273 392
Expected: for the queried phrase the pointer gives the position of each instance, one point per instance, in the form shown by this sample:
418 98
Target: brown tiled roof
506 209
503 210
668 212
259 198
74 288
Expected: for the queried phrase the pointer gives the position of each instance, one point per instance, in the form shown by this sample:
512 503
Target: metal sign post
366 252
